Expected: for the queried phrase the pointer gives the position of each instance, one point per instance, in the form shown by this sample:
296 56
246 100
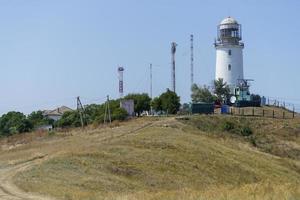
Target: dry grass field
193 158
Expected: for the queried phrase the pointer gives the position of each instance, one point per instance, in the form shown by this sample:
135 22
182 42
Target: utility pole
80 110
151 80
192 59
293 111
107 116
173 51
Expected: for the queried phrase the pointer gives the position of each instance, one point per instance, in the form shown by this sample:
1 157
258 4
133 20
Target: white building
229 50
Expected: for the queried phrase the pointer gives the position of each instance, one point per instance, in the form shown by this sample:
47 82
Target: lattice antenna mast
107 115
80 110
173 51
192 60
121 83
151 80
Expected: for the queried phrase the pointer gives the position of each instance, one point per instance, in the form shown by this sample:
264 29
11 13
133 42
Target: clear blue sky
54 50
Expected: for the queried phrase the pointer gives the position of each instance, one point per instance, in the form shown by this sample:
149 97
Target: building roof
58 111
228 20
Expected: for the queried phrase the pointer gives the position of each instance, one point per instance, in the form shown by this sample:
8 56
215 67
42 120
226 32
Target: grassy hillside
199 157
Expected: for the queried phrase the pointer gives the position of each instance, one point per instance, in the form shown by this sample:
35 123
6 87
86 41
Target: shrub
227 126
51 133
253 140
246 131
119 114
69 119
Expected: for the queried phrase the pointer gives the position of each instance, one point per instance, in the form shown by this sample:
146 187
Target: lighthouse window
229 52
229 67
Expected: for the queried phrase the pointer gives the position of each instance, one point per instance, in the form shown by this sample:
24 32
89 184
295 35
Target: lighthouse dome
228 20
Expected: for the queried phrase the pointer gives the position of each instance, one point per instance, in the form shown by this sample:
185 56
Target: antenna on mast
121 83
151 80
192 59
173 51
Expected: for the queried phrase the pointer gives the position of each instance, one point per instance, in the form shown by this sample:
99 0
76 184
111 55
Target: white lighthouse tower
229 60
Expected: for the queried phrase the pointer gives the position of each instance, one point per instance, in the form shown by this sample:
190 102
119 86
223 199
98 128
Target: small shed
128 105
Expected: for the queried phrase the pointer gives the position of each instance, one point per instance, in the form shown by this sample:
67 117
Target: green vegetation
157 104
141 102
275 136
69 119
202 94
37 118
227 126
14 122
94 114
221 90
220 93
168 102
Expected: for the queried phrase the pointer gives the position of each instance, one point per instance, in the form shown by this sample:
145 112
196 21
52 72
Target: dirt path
8 191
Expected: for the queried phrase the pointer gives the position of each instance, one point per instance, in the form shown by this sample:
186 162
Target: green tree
69 119
93 114
14 122
185 109
221 90
119 114
156 104
202 94
24 126
141 102
170 102
37 118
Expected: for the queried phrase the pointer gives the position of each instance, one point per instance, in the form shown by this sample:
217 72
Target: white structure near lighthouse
229 48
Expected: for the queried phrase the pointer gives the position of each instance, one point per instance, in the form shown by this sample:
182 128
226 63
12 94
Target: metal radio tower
151 80
173 51
80 110
121 83
192 60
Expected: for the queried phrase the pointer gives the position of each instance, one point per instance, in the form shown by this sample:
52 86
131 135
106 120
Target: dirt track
8 191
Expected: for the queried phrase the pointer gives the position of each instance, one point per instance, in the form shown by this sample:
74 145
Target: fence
270 112
280 104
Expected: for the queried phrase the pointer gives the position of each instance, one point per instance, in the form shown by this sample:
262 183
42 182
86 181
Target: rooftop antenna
121 83
192 59
173 51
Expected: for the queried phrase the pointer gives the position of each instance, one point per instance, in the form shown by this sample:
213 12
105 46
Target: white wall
223 59
54 117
